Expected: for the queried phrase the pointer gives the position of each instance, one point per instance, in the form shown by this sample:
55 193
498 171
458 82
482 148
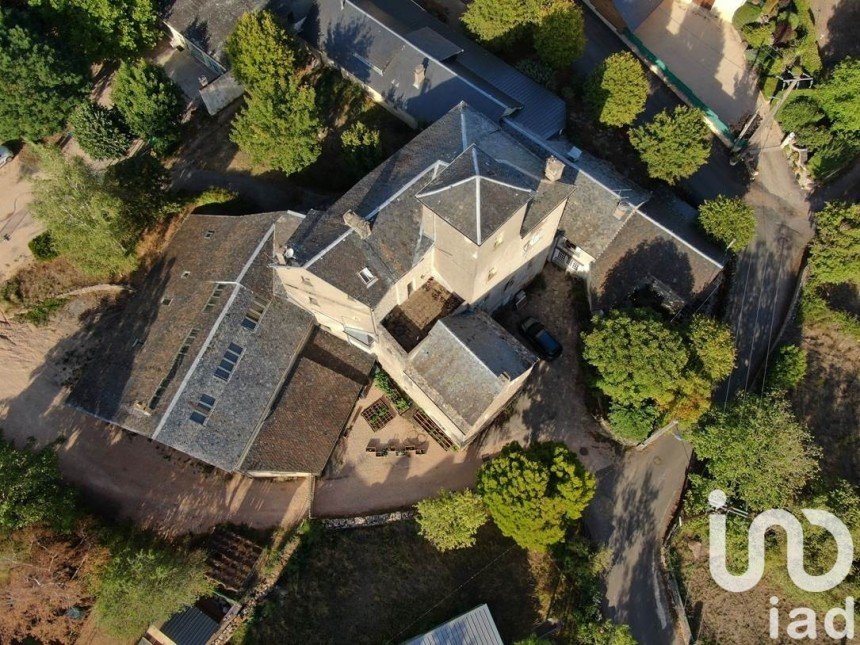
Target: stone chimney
357 223
553 169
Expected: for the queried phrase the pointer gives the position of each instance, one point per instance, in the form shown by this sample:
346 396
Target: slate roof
465 362
387 197
475 627
312 409
209 23
383 42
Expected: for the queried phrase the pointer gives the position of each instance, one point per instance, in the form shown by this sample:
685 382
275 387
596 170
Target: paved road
630 514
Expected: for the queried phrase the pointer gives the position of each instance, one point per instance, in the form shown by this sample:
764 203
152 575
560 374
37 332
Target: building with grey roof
475 627
420 67
200 356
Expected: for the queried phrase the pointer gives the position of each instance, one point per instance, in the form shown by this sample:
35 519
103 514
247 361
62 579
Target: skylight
217 292
255 313
202 409
367 277
228 363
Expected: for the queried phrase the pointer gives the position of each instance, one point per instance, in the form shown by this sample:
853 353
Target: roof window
202 409
255 313
185 274
217 292
166 301
367 277
228 363
174 368
208 234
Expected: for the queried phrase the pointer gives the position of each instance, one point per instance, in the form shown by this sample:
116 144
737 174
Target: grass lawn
385 584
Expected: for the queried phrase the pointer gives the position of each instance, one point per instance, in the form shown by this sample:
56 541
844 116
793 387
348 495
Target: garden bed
378 414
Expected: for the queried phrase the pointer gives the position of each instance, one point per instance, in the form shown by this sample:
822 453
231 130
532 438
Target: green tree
42 247
532 495
141 182
729 220
603 633
839 95
559 38
799 112
788 368
633 423
260 51
101 132
673 145
278 128
145 582
41 84
362 147
638 357
713 347
149 102
835 251
617 89
32 491
501 22
451 520
104 29
757 450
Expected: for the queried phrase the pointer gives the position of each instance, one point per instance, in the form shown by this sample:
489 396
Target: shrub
149 102
41 313
746 14
729 220
214 195
788 368
451 520
617 90
799 112
713 347
42 247
560 37
757 35
673 145
537 71
532 495
833 156
633 423
101 132
362 147
500 22
384 383
835 250
839 95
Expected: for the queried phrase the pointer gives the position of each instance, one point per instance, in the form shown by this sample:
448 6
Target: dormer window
208 234
367 277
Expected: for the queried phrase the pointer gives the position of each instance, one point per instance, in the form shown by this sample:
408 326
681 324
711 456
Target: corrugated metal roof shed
190 627
475 627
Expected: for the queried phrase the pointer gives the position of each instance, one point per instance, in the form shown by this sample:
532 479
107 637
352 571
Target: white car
5 156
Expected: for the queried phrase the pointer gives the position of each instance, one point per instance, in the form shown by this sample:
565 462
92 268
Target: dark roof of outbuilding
465 362
396 37
312 409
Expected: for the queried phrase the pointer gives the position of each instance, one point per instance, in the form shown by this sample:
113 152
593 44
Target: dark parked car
544 342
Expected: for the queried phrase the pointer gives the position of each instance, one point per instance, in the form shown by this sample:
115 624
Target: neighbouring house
410 263
475 627
205 355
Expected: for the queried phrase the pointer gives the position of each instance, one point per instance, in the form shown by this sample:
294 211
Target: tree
604 633
839 95
41 84
788 368
101 132
729 220
361 147
673 145
145 582
278 128
32 491
260 51
835 251
104 29
149 102
633 423
451 520
560 37
533 494
500 22
617 89
799 112
638 357
42 247
756 449
713 347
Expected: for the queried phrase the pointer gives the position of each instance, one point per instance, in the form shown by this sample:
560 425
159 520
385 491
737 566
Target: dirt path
121 474
15 221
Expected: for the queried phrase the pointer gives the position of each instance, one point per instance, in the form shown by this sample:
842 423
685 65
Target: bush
214 195
729 220
788 369
799 112
560 37
149 102
674 145
500 22
41 313
532 495
537 71
835 250
362 147
833 156
633 423
42 247
758 35
839 95
617 90
101 132
813 137
746 14
713 347
451 520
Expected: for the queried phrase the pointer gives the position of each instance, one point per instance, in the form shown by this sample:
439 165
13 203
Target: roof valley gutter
636 209
212 332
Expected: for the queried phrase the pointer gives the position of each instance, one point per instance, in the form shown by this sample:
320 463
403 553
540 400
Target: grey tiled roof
387 196
312 409
383 42
465 362
591 219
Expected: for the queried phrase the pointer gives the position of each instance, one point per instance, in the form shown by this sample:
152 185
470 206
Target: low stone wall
342 523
